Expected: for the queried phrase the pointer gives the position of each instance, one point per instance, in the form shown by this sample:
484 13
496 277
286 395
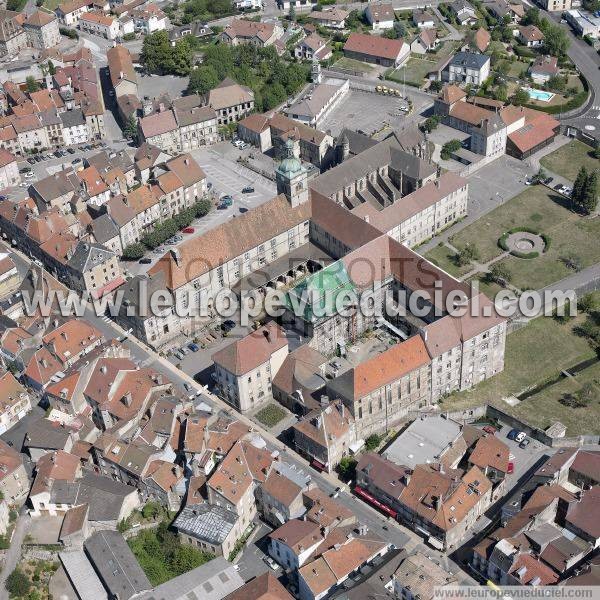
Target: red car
490 429
511 467
188 230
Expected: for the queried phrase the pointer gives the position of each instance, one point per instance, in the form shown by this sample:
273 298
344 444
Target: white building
9 171
380 16
99 24
75 129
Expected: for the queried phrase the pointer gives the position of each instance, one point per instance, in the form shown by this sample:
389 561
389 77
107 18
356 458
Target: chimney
423 333
176 255
366 218
121 74
64 335
438 503
126 399
267 335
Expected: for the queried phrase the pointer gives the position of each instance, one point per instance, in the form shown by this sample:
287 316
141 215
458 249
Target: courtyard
546 212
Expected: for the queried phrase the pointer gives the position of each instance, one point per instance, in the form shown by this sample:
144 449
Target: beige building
10 280
122 73
69 13
242 31
244 370
14 483
15 402
42 30
100 24
231 101
9 170
324 435
12 35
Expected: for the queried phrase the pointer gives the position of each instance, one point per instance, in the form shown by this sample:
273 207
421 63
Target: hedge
525 254
502 241
547 239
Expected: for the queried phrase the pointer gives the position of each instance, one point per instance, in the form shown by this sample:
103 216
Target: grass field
51 4
543 209
353 65
534 354
443 257
568 159
542 409
416 70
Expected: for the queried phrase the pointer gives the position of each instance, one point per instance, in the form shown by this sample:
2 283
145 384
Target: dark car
227 325
194 347
525 443
57 154
248 190
548 180
37 158
145 261
512 434
70 151
2 197
31 161
25 170
558 186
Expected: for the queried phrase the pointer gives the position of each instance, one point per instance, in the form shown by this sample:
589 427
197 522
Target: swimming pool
539 95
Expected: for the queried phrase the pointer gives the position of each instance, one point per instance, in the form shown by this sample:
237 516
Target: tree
372 442
51 68
17 583
556 83
158 56
31 84
467 255
589 198
151 510
431 123
556 41
572 261
436 86
501 92
448 148
499 273
202 207
520 97
292 12
347 468
532 16
202 80
579 187
134 251
130 131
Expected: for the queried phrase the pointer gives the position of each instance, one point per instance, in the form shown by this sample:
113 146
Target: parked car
194 347
271 563
548 180
511 468
145 261
248 190
178 355
525 443
520 436
188 230
187 386
29 175
3 197
227 325
57 154
31 160
558 186
489 429
70 150
76 161
512 434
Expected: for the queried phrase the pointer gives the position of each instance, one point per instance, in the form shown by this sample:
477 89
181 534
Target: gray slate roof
72 118
88 255
104 229
104 496
116 565
214 580
470 60
207 522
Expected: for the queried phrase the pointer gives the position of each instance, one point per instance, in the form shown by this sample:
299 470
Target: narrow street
13 554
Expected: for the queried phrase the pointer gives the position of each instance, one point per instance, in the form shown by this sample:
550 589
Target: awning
372 500
318 465
356 446
109 287
433 541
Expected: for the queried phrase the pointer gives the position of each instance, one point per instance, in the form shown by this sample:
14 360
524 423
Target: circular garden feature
524 242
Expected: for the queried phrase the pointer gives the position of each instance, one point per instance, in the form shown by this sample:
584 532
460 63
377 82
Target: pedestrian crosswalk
106 319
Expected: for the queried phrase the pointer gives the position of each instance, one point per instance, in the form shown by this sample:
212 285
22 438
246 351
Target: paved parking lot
371 112
156 85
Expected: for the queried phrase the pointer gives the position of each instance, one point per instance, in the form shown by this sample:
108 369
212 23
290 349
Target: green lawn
568 159
490 289
443 257
270 415
51 4
416 70
353 65
534 354
543 209
542 409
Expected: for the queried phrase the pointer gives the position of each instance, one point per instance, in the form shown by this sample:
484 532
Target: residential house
74 127
10 279
426 41
12 36
242 31
530 36
543 69
196 29
482 39
122 74
97 23
15 402
14 482
325 435
380 15
69 13
279 499
149 18
419 576
9 170
333 18
463 11
312 47
293 543
423 19
467 67
262 587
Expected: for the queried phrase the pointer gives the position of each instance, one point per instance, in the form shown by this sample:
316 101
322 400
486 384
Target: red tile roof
374 46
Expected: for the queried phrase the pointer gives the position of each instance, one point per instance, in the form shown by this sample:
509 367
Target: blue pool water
539 95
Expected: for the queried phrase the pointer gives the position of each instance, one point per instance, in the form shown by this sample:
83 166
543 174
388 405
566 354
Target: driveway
13 554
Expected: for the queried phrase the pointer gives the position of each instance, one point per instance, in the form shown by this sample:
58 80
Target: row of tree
584 197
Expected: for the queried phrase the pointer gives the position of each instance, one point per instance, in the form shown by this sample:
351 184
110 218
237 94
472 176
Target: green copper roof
315 296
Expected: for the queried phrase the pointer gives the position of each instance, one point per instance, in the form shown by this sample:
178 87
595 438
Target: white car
271 563
29 175
520 437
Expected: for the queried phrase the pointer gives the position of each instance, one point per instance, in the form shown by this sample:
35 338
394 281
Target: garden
270 415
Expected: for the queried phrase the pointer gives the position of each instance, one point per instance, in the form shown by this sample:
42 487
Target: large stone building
42 30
